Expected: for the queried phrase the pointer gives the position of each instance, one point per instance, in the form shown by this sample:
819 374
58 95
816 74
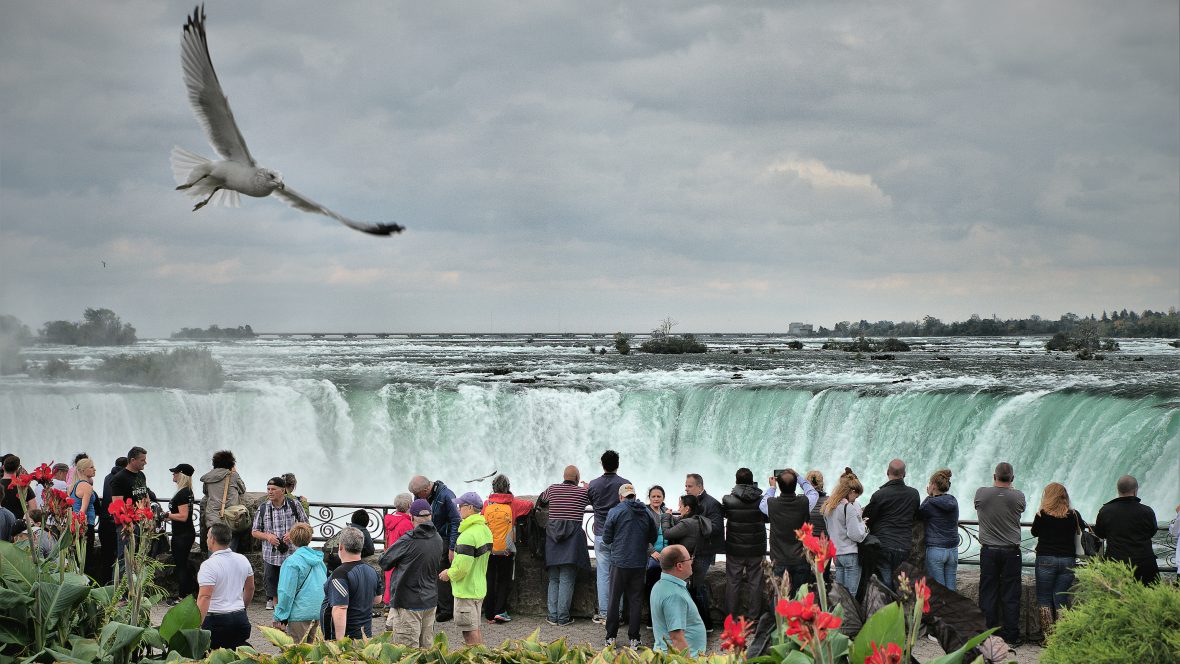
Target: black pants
626 582
186 579
446 601
108 548
270 576
743 575
499 585
227 630
800 573
701 596
1146 570
888 560
999 589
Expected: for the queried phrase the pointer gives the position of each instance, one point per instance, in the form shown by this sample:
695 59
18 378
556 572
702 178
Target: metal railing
327 519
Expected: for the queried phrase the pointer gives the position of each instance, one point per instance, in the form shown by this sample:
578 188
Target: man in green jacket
468 571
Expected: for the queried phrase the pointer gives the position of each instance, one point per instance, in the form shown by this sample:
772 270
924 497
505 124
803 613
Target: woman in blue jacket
940 511
301 588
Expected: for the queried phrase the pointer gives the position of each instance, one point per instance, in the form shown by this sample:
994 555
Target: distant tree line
1146 324
215 332
98 327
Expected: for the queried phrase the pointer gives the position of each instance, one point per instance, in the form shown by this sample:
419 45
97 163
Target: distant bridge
494 335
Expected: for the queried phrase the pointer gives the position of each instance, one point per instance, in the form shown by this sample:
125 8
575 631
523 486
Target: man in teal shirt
674 616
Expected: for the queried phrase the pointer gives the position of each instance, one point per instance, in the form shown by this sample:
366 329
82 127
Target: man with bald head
890 515
675 621
1128 525
565 542
445 516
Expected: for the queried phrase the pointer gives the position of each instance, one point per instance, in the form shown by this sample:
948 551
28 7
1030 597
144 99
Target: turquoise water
354 419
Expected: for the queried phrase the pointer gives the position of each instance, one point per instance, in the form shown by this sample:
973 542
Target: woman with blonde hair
184 535
846 528
82 491
1054 526
940 511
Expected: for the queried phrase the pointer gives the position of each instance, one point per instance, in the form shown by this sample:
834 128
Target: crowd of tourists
449 557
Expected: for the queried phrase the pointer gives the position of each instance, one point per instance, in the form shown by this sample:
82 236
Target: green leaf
277 637
191 643
119 638
84 649
797 657
884 626
10 599
151 636
17 571
56 601
185 615
957 656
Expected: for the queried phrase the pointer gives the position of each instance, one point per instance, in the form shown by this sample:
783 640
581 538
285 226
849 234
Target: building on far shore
801 329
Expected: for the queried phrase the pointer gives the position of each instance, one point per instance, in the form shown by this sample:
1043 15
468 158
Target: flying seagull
237 172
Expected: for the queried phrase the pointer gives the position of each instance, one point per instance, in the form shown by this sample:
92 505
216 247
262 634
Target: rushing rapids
354 419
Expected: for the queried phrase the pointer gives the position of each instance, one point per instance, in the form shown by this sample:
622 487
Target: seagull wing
301 202
204 92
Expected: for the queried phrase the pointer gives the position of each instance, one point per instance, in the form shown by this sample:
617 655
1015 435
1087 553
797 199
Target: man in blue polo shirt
675 621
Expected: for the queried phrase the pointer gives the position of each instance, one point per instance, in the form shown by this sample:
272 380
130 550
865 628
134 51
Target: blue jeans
561 591
846 572
602 573
942 565
999 589
888 561
1054 577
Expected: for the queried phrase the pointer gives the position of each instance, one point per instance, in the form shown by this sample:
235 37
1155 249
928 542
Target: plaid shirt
278 520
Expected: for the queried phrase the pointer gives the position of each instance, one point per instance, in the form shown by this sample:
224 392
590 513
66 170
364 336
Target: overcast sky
596 165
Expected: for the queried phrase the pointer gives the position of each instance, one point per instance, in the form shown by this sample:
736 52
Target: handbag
867 549
1085 543
237 517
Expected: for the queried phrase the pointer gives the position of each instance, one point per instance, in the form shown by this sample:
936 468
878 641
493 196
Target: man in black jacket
890 514
745 545
416 558
1128 525
694 485
107 533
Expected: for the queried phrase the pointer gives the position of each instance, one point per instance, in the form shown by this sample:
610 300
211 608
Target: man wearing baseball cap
413 594
629 529
469 569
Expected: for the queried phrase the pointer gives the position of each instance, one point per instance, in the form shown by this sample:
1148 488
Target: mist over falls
355 419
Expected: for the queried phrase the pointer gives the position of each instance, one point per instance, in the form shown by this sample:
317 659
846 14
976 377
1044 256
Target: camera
282 546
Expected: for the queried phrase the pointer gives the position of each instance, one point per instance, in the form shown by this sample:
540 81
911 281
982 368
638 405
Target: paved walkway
581 632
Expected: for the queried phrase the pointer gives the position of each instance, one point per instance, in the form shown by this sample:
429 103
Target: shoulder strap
225 492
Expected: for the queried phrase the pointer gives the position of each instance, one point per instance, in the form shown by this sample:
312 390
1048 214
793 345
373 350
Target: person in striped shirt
565 541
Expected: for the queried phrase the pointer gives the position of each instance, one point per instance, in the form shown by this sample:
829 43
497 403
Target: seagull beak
283 185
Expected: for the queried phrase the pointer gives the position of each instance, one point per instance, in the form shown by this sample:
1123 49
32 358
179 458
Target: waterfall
361 444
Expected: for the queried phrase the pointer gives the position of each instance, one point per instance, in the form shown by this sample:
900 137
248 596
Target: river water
354 419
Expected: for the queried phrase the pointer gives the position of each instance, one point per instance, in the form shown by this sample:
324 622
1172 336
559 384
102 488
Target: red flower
43 474
78 523
22 480
891 654
735 633
922 591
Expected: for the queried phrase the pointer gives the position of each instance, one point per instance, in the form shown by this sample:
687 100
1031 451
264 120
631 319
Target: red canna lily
43 474
922 592
22 480
890 654
735 634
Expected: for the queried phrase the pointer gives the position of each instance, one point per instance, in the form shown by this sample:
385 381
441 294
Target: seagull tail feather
183 163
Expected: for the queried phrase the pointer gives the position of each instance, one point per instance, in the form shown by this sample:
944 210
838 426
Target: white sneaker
270 605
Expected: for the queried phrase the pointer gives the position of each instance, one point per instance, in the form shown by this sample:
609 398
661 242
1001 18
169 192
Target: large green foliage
1117 619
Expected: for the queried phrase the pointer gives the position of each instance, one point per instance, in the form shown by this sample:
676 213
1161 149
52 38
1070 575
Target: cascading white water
354 444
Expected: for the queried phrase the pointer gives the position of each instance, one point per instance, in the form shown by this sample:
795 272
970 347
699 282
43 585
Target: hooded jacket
301 585
692 532
941 514
444 513
628 530
745 532
396 525
469 569
214 486
414 561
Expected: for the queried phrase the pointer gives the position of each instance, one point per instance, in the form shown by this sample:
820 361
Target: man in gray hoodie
415 559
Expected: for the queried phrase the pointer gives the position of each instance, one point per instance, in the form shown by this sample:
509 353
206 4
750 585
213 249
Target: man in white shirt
226 580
